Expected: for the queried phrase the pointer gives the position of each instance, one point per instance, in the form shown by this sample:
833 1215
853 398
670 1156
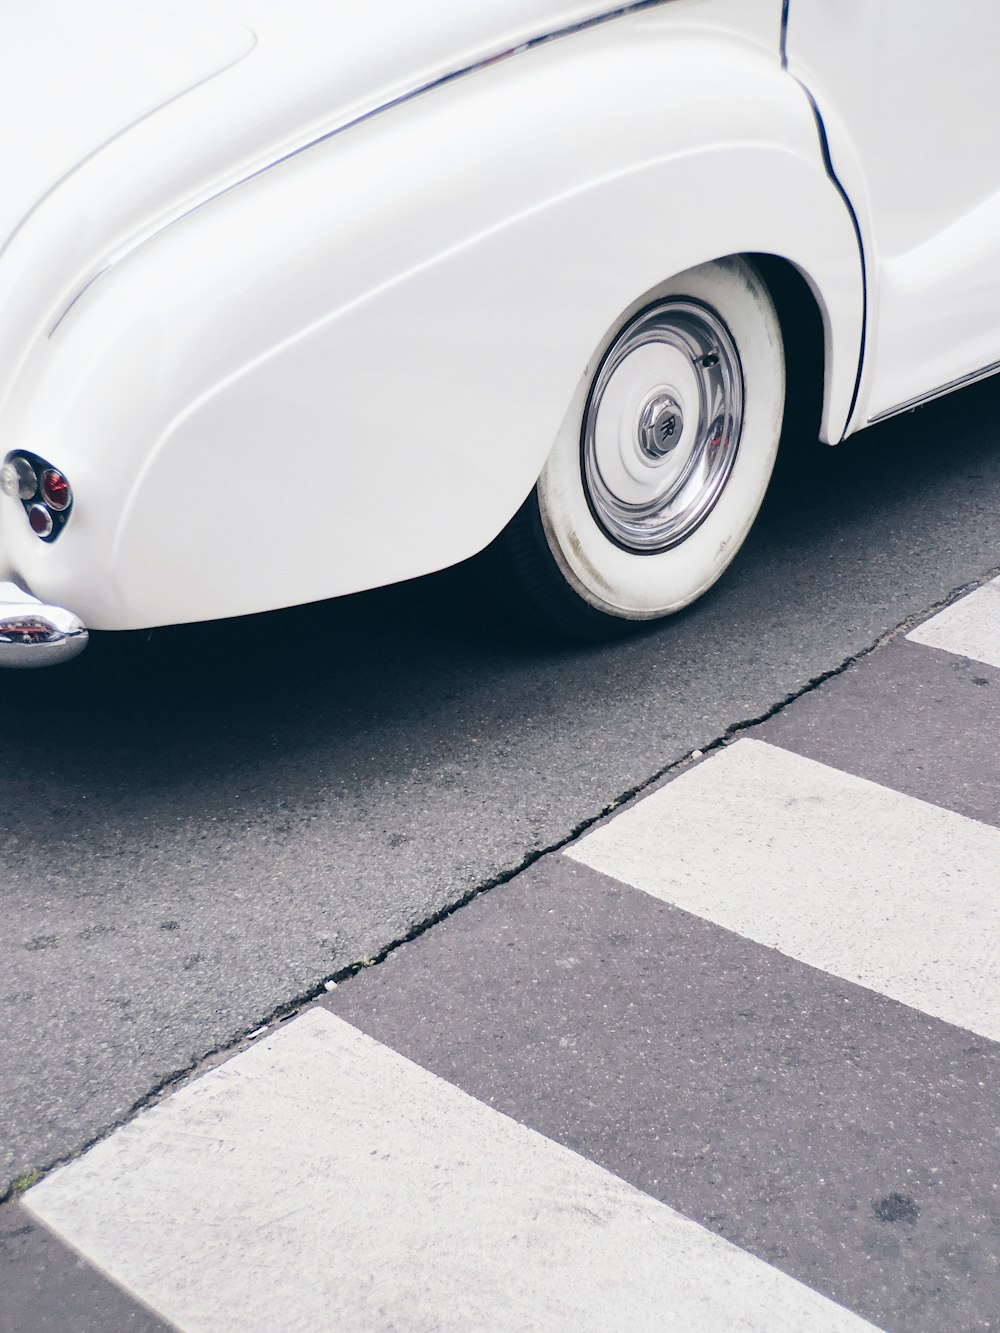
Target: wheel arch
805 335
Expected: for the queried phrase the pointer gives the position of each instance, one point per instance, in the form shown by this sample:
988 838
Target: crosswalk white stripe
969 627
321 1180
866 883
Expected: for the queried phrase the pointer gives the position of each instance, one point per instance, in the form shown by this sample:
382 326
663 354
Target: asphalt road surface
199 829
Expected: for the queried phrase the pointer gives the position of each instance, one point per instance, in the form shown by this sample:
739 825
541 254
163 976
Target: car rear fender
349 370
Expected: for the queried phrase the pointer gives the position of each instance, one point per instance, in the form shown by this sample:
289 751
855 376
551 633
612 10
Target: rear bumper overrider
33 634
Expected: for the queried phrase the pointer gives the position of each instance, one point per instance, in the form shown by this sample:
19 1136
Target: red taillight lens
40 520
55 490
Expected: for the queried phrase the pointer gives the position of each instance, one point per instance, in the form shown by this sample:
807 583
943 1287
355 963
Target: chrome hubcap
662 426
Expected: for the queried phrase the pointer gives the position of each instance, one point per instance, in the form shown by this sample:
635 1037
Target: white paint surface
74 75
969 627
464 258
873 886
320 1180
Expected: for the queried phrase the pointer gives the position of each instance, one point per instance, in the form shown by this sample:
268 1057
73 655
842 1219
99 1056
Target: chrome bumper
33 634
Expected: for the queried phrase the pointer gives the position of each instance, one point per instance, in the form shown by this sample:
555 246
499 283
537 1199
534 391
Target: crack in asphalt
291 1008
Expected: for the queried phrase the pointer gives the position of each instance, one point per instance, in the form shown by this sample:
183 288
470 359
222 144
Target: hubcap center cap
660 426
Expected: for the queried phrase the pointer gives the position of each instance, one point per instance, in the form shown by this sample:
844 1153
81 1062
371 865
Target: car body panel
362 385
73 77
909 103
315 68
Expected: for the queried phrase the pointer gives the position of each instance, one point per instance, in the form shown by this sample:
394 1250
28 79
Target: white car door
909 95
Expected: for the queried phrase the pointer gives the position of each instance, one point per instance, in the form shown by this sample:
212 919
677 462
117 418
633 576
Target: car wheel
643 503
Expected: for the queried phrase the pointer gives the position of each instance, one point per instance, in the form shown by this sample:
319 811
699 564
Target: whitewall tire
658 473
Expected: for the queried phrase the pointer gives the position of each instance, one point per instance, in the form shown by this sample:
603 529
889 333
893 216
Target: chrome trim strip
83 290
35 635
911 403
619 11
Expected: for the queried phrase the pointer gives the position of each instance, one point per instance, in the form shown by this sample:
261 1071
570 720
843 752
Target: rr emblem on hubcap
660 426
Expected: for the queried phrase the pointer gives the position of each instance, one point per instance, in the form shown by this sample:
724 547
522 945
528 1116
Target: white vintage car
302 298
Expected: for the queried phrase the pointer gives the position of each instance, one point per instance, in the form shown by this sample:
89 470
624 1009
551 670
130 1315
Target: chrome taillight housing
43 491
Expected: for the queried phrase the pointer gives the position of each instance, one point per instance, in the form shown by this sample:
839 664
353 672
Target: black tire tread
527 582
